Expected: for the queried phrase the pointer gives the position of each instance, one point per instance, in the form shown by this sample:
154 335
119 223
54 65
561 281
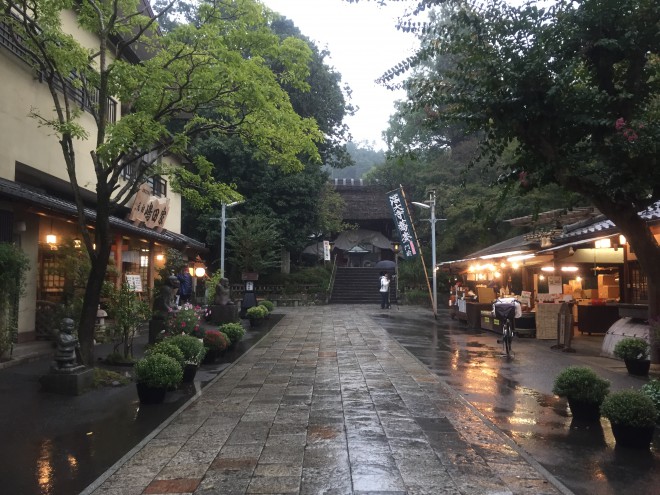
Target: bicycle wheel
507 335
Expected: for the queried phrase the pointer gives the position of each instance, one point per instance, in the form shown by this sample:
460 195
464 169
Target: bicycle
506 310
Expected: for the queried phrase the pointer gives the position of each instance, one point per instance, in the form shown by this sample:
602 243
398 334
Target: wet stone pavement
327 402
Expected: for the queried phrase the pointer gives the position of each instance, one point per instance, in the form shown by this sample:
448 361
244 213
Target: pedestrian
185 286
389 293
384 291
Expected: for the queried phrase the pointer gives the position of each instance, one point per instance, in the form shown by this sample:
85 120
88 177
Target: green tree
573 88
253 244
221 63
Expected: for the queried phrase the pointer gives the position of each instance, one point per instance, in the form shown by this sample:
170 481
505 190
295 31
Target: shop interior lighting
603 243
51 239
515 266
541 277
578 278
501 255
622 240
548 269
569 268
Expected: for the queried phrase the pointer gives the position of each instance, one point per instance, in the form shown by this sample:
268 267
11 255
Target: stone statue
65 355
222 293
166 301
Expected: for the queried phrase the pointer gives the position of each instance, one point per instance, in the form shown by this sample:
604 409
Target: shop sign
402 222
326 250
149 209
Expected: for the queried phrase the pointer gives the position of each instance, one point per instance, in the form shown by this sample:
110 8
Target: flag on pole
402 222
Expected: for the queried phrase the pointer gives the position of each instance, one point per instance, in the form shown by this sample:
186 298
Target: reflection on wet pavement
516 395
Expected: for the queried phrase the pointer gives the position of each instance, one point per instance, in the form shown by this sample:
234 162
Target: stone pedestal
221 314
73 382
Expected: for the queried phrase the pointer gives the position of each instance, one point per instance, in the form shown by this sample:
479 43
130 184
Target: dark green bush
169 349
652 391
192 348
233 331
632 348
158 371
582 384
268 305
630 408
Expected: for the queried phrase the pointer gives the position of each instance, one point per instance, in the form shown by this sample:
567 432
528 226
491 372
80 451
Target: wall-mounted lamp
569 268
160 257
548 268
51 239
622 240
571 251
541 277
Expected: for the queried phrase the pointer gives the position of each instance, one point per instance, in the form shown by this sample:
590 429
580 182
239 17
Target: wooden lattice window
639 289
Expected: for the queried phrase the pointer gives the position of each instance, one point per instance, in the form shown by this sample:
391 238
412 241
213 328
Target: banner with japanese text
402 223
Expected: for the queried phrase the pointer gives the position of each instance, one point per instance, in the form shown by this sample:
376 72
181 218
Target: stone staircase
358 286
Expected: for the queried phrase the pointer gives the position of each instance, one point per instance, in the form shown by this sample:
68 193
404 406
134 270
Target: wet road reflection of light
45 466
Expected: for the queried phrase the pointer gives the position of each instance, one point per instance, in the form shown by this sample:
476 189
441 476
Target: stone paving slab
327 403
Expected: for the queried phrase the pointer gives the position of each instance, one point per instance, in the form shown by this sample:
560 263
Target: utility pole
223 224
433 220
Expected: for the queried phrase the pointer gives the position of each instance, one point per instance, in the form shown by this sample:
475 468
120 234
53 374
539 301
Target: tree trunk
647 251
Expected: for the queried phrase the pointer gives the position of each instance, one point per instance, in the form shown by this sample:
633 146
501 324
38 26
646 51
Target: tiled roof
22 193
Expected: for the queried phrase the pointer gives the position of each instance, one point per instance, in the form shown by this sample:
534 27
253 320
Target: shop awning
26 195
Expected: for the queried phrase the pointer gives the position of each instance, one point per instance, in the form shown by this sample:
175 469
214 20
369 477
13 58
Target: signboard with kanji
402 222
149 209
134 282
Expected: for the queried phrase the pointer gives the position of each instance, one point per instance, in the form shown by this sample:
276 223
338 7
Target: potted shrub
154 375
632 415
268 305
234 331
169 349
193 352
635 353
185 320
215 342
256 314
652 391
584 391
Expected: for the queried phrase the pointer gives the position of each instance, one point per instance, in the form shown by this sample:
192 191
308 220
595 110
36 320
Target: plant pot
189 372
638 367
584 411
150 395
255 322
634 437
211 356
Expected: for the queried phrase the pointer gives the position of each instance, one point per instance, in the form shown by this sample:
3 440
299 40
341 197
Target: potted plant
632 415
635 353
154 375
652 391
215 342
268 305
234 331
584 391
185 320
169 349
193 352
256 314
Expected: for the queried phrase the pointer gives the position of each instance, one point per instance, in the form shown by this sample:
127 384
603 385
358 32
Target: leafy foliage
216 341
186 320
582 384
191 347
13 267
233 331
631 348
652 391
128 313
253 244
267 304
258 312
158 371
629 407
168 348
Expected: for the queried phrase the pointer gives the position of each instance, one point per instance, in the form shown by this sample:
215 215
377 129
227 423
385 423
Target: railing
77 94
331 284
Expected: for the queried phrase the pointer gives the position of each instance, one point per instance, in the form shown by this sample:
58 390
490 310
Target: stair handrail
331 283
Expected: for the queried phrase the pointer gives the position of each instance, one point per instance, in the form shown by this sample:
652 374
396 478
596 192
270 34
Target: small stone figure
65 355
222 293
166 301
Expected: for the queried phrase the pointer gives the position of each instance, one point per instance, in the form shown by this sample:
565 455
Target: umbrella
385 264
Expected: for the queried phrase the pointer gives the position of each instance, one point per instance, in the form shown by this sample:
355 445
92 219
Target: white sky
363 43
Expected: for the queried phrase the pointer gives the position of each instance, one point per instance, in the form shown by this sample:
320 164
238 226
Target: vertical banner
402 222
326 250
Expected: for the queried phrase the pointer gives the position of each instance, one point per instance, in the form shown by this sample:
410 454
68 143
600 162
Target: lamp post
223 224
433 220
396 247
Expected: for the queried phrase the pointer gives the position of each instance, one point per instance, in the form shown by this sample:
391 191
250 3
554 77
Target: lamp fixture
51 239
548 268
77 243
160 257
569 268
200 271
603 243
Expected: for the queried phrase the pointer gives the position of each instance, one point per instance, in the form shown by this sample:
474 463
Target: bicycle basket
504 310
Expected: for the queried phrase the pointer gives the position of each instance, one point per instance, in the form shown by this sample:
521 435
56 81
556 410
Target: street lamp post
433 220
223 224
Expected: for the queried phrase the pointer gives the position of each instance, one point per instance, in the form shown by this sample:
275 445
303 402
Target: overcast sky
363 43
